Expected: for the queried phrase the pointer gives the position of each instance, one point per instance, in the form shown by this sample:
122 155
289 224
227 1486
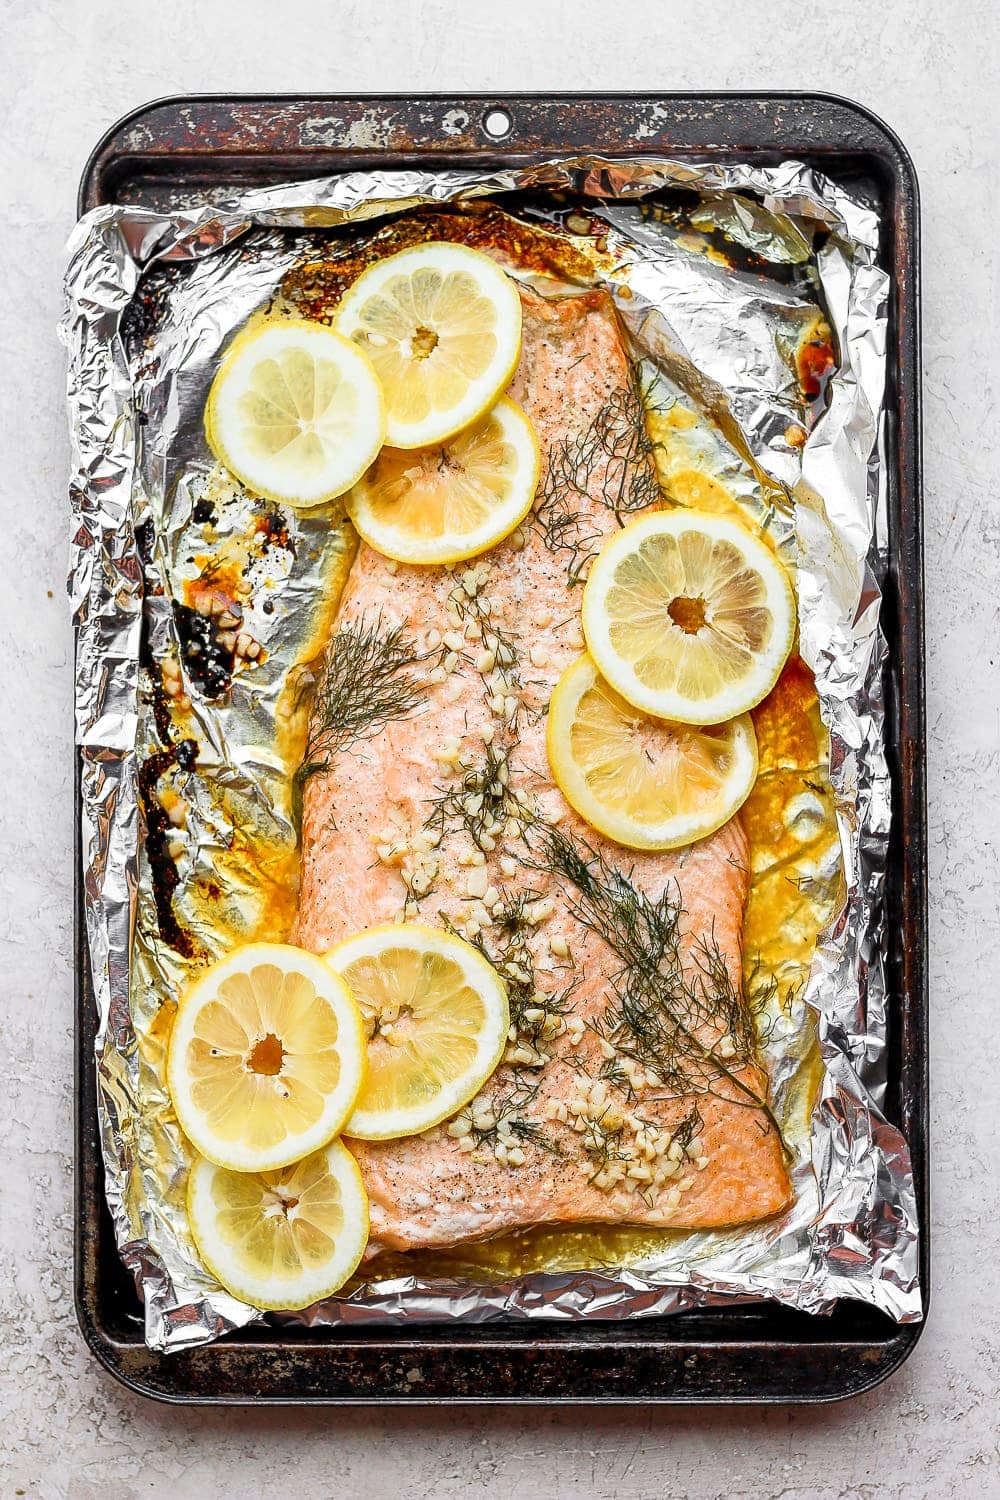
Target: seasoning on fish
630 1090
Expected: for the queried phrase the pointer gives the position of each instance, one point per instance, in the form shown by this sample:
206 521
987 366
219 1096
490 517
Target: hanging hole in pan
497 123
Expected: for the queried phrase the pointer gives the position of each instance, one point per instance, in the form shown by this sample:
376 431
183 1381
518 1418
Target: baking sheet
708 329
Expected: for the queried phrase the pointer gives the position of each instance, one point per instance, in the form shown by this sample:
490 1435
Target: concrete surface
67 70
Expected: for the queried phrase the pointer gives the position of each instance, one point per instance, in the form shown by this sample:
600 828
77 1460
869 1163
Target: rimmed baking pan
179 149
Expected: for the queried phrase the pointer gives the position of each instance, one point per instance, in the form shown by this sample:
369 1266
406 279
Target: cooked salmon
630 1092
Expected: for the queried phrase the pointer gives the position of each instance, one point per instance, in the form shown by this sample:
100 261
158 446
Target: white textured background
68 68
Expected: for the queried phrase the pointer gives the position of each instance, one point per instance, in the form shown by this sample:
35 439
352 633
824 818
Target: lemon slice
441 324
266 1057
454 500
436 1015
283 1239
644 782
295 412
688 616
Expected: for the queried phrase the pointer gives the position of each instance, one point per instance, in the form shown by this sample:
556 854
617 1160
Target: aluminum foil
151 300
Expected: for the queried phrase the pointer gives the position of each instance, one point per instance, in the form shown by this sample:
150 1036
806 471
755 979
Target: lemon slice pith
437 1016
266 1058
282 1239
644 782
441 325
454 500
688 616
295 412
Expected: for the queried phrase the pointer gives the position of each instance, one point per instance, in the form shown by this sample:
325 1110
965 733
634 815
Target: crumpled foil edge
863 1229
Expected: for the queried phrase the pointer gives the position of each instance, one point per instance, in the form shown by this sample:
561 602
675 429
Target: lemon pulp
441 325
646 783
295 412
285 1238
266 1058
454 500
688 616
436 1017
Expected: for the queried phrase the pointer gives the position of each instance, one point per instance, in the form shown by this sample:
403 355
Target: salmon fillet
630 1092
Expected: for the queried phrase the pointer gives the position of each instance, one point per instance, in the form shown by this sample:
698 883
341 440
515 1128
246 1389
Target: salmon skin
630 1092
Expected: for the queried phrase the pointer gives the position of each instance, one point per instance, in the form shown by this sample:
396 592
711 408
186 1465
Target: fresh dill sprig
564 528
617 446
764 998
602 1138
688 1129
511 956
501 1119
482 800
508 1104
532 1132
692 1033
367 680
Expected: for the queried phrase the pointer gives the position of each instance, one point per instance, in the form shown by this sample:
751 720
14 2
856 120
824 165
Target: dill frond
481 801
688 1129
511 956
367 680
510 1101
617 446
512 959
693 1033
532 1132
513 1092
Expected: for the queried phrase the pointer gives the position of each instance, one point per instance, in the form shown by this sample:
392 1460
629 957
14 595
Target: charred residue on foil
314 287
